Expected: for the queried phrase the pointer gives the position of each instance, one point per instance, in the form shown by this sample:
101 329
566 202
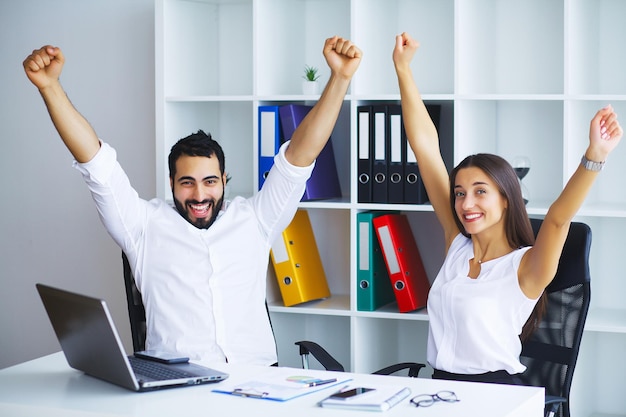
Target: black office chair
550 354
331 364
136 311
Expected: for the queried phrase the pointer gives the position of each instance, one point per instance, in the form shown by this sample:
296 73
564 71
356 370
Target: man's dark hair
197 144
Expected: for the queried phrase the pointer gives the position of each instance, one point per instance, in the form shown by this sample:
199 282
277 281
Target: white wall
49 229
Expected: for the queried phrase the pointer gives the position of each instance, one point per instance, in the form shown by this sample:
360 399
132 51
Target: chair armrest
552 404
319 353
413 367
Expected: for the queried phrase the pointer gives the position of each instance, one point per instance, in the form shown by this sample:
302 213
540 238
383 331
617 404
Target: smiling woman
485 187
489 293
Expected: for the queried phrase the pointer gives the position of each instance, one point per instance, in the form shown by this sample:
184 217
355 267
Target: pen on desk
321 382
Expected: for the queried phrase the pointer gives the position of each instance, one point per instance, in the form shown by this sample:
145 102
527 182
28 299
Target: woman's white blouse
475 323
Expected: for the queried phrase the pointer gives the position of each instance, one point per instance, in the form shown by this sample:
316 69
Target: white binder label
364 246
268 133
279 250
387 246
379 136
396 138
364 134
410 156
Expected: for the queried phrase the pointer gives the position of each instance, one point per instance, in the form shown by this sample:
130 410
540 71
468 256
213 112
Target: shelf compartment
229 123
595 37
516 127
431 22
332 235
340 138
331 332
444 121
291 34
510 47
607 286
207 47
382 342
604 191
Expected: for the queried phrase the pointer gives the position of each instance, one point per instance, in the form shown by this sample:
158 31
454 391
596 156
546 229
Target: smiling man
201 265
198 179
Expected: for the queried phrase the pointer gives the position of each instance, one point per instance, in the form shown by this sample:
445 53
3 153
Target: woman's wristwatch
591 165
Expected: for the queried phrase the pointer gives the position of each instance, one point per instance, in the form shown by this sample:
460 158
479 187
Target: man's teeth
200 207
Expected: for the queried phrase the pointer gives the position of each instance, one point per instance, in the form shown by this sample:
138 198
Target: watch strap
591 165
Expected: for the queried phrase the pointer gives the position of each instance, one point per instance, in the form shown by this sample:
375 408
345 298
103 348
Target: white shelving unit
514 78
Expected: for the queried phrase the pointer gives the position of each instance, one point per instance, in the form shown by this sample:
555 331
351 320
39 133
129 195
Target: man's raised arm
43 68
343 58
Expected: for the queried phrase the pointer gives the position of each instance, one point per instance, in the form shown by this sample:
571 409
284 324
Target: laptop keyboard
155 370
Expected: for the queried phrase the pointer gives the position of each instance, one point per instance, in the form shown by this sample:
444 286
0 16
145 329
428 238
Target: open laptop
91 344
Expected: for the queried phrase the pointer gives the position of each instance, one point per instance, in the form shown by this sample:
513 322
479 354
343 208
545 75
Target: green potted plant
309 86
310 73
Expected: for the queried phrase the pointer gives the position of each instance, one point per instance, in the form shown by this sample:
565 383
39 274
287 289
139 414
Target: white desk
49 387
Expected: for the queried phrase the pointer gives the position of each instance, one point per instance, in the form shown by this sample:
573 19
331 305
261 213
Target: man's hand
43 67
342 56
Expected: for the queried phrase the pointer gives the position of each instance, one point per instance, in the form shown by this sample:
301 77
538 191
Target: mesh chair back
550 354
136 311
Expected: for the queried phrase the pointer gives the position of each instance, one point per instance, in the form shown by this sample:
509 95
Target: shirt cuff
293 171
100 167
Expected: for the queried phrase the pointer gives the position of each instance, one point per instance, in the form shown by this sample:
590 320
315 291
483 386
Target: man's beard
203 223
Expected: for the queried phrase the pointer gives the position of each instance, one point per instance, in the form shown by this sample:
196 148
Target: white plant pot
309 87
